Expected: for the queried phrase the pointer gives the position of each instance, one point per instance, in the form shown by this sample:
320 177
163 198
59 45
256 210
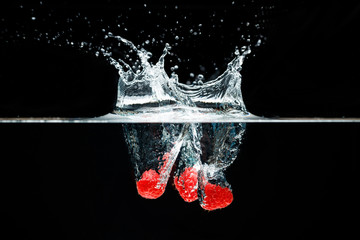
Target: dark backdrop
290 181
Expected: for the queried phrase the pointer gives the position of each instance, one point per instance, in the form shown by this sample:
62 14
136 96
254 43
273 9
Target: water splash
222 92
204 151
153 87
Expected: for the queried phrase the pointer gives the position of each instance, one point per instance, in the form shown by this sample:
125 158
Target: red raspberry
149 185
216 197
187 184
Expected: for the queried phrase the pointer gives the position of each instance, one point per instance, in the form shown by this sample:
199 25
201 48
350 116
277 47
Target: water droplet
147 41
177 38
237 52
258 43
199 79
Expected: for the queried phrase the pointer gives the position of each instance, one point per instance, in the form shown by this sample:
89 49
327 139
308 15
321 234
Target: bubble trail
220 146
215 193
186 174
153 150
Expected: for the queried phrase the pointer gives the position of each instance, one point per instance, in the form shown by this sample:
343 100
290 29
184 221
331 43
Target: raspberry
216 197
149 185
187 184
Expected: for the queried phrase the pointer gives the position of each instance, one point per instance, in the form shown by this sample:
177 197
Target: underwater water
199 154
77 181
171 80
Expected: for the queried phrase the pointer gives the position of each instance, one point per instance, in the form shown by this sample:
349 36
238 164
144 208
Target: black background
290 181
